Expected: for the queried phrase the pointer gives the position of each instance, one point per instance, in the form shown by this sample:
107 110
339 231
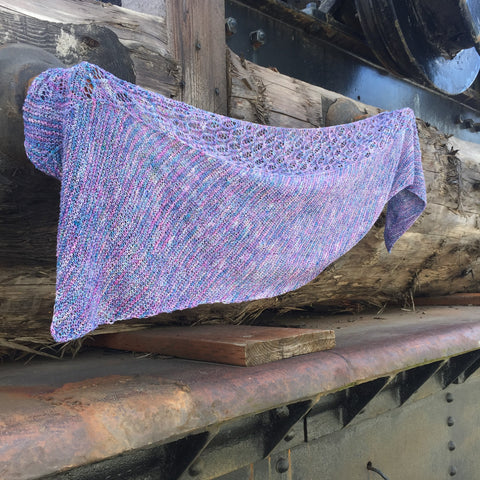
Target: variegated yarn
165 206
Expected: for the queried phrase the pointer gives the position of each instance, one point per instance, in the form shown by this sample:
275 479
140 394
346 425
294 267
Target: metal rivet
290 436
282 465
198 45
449 397
217 91
452 471
282 412
196 468
450 421
451 446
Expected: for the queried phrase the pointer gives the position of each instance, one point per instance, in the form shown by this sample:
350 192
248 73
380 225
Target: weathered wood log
69 29
439 255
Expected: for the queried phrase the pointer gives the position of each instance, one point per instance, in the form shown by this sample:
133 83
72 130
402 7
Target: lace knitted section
265 148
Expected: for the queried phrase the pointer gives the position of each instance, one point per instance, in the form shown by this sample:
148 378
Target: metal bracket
282 420
357 397
468 372
414 378
167 461
456 368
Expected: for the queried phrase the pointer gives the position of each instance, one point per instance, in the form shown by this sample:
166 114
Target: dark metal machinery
383 52
434 43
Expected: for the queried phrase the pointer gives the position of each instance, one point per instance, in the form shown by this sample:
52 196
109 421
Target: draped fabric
165 206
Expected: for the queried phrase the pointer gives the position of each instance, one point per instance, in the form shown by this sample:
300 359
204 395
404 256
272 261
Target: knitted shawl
165 206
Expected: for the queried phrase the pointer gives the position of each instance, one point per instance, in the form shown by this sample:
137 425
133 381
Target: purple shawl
165 206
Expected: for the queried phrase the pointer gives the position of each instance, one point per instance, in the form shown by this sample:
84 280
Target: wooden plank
197 41
157 7
243 345
450 300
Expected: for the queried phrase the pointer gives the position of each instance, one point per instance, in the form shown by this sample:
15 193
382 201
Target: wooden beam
271 98
48 24
242 345
263 95
468 299
197 41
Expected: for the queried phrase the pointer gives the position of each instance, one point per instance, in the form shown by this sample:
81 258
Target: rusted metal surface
55 416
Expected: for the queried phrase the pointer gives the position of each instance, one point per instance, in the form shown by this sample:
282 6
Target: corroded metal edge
47 427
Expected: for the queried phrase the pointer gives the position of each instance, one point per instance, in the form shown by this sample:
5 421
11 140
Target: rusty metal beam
56 416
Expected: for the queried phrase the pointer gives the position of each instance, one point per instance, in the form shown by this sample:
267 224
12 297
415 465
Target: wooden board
450 300
243 345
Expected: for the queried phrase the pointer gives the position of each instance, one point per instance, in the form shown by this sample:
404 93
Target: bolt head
282 465
449 397
451 446
258 37
450 421
196 468
261 35
290 435
230 26
282 412
452 471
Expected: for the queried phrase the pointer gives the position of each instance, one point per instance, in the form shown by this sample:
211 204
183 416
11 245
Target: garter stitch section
165 206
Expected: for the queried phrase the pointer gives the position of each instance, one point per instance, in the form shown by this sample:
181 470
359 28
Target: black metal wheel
434 43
